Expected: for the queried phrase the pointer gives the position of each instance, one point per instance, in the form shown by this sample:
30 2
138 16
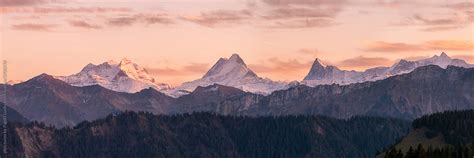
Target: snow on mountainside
322 74
231 72
123 76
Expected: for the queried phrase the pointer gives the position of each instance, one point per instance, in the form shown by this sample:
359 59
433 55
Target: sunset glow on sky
179 40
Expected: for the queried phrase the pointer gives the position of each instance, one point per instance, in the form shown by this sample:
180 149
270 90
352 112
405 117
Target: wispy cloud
33 27
302 23
364 62
381 46
279 67
213 18
461 5
300 12
84 24
148 19
63 10
293 14
191 69
453 45
12 3
434 45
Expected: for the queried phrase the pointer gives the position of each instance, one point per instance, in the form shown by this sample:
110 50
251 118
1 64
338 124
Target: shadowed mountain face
426 90
53 101
12 115
208 135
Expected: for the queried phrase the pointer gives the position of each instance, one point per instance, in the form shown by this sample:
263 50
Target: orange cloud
454 45
277 68
362 62
191 69
309 51
381 46
434 45
33 27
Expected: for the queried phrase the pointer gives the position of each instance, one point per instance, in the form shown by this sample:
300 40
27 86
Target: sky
179 40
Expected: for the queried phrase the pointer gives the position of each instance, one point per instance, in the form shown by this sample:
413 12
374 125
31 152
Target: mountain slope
320 74
47 99
423 91
231 72
123 76
209 135
12 115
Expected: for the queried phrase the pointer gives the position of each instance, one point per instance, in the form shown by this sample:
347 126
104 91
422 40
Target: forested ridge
455 127
132 134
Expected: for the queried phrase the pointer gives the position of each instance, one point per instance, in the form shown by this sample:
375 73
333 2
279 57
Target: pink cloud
84 24
12 3
127 20
33 27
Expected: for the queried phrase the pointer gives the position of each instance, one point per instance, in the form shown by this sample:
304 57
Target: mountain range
321 74
126 76
423 91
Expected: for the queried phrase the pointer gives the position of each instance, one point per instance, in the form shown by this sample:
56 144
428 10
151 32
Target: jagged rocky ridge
208 135
321 74
426 90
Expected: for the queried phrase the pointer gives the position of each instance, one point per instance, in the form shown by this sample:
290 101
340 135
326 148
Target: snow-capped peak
231 72
135 71
320 74
234 67
317 70
123 76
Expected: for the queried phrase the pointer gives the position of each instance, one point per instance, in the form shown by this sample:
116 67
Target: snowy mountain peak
236 58
111 62
234 67
320 74
444 55
317 61
125 61
123 76
318 70
135 71
232 72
